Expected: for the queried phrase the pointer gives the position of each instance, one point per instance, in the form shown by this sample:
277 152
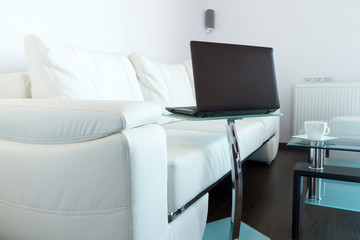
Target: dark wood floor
267 203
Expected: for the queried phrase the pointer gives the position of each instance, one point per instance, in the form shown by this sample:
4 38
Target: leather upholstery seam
127 150
64 213
60 140
66 109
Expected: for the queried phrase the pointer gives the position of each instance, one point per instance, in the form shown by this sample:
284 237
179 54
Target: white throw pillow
62 71
164 84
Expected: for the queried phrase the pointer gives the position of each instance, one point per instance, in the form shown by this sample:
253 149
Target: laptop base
193 111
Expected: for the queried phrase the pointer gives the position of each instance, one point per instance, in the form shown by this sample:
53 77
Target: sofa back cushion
62 71
164 84
15 85
190 72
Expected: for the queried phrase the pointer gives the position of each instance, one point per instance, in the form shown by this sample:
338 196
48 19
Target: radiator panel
323 101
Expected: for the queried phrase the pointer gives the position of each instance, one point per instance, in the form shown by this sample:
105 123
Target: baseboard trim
282 145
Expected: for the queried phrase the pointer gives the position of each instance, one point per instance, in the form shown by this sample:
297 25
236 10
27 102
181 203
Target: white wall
310 39
159 29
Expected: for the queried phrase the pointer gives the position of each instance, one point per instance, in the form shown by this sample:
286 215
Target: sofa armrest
53 121
114 187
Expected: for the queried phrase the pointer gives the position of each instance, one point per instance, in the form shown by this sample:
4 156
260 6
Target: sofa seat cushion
270 126
198 155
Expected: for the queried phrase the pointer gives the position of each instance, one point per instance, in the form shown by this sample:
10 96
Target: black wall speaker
210 19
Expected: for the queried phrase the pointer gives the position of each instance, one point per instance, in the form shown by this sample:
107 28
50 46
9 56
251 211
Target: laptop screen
233 77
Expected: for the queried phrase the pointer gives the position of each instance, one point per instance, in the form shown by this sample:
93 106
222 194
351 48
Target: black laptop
232 79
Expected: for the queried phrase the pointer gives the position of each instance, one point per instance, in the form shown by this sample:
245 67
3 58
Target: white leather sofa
347 127
86 154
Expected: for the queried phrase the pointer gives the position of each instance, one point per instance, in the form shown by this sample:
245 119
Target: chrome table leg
237 180
317 159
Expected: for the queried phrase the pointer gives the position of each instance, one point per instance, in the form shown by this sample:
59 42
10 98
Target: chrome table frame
317 158
236 178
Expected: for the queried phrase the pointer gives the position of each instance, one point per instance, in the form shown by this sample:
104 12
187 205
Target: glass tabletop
344 135
194 118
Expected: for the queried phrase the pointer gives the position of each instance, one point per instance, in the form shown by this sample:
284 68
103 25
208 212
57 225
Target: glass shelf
339 194
193 118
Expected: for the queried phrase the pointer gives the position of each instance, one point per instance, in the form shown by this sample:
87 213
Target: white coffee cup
316 130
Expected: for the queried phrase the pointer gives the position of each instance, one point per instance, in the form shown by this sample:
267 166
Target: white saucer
324 138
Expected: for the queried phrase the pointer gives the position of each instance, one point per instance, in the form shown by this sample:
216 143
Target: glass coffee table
332 182
229 228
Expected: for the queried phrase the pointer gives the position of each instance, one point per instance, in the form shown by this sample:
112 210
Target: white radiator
323 101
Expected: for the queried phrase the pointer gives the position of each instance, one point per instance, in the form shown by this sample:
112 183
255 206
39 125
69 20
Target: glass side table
237 180
332 182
